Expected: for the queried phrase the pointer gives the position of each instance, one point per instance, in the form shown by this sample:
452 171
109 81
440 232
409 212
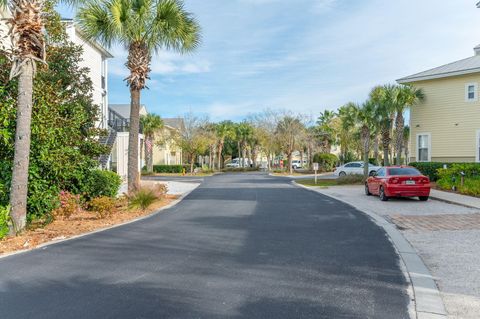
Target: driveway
239 246
446 236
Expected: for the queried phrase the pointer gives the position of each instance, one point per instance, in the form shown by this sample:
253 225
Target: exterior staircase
107 141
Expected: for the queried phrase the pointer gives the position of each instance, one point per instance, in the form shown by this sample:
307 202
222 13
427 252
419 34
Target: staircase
107 141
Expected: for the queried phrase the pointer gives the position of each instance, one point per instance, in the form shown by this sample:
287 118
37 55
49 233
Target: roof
124 109
176 123
95 44
462 67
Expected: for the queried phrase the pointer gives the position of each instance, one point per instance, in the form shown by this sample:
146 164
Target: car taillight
424 181
393 180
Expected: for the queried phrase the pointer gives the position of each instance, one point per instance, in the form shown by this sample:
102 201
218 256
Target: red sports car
398 181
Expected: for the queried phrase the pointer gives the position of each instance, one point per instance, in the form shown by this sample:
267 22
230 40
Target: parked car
354 168
238 162
297 164
398 181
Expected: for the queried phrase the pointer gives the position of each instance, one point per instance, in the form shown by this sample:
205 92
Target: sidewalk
453 198
446 236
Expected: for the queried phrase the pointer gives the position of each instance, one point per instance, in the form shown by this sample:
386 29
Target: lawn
320 182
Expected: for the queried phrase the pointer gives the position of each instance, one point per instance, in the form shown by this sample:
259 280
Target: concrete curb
452 202
428 302
54 242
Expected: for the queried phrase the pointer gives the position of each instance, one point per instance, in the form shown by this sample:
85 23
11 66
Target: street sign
315 168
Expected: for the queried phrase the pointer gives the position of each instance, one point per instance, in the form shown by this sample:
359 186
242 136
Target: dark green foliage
64 139
98 183
170 169
429 169
451 177
4 220
327 162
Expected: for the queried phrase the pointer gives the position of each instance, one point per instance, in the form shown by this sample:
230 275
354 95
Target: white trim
477 149
475 88
429 146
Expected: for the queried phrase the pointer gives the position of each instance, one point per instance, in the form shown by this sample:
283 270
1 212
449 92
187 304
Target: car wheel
342 174
367 191
371 173
423 198
382 195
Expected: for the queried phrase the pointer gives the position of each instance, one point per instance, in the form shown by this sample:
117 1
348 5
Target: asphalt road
239 246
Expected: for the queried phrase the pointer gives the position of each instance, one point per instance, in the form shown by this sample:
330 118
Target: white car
355 168
296 164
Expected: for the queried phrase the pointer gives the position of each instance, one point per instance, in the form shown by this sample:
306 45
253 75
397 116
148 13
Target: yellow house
445 127
168 152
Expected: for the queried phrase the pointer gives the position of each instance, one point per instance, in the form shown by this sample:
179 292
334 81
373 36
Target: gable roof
124 109
462 67
176 123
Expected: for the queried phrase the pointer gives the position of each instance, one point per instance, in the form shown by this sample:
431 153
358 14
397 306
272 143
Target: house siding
451 121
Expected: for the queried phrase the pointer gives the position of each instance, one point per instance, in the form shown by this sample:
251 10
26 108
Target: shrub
104 206
170 169
160 190
69 205
4 220
451 177
351 180
142 199
327 162
98 183
429 169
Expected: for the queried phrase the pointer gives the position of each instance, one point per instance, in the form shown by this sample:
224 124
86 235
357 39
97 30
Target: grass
346 180
320 182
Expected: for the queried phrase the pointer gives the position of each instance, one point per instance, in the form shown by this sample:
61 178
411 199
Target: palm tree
27 48
289 130
151 124
244 132
406 141
366 119
223 130
384 99
406 96
143 28
347 119
325 130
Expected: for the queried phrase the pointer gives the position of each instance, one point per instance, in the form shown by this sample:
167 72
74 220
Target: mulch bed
79 223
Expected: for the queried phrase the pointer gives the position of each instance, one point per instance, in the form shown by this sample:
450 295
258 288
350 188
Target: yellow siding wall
452 121
164 155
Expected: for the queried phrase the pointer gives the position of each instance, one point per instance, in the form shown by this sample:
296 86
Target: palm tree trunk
244 155
220 151
149 155
375 149
386 146
133 176
366 150
21 160
399 124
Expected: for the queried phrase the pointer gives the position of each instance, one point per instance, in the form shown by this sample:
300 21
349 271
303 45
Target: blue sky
302 55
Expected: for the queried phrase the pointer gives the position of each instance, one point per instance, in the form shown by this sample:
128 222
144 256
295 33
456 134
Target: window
381 172
423 147
404 171
471 92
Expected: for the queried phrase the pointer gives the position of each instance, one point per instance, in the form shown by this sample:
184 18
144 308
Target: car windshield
408 171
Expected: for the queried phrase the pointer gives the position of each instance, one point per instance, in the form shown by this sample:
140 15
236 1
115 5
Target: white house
119 121
95 58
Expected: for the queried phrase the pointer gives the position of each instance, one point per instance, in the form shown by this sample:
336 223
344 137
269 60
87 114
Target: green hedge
326 161
99 183
170 169
429 169
433 169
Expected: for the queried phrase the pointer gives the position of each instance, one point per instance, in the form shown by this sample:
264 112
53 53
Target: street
239 246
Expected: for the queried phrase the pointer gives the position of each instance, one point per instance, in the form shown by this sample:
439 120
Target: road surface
239 246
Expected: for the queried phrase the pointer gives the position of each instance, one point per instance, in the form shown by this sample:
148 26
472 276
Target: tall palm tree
325 130
289 130
406 96
384 99
347 120
151 124
27 48
367 120
143 27
244 132
223 130
406 141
